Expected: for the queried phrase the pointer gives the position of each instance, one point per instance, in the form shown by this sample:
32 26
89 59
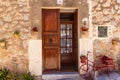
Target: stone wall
14 16
22 16
106 12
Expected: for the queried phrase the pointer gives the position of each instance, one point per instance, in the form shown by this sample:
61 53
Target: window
103 31
66 38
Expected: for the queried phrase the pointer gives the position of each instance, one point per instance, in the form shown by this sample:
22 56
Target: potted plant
35 29
35 32
83 59
17 34
3 43
84 27
114 41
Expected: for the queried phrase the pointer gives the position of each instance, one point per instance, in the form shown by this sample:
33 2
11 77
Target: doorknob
50 40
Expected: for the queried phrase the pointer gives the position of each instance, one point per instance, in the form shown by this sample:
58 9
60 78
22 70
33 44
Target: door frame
68 9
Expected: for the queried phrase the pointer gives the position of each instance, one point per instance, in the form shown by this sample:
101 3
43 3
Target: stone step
62 76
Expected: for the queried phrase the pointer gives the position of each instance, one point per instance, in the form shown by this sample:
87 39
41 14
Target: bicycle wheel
86 70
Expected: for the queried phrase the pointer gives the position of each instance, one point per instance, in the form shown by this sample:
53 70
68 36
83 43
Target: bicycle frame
88 63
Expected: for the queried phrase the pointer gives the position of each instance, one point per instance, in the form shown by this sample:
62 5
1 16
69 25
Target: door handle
50 40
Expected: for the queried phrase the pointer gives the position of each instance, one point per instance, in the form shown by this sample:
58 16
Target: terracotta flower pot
3 44
16 34
114 42
84 28
35 35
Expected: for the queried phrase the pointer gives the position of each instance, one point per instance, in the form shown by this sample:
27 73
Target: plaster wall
35 57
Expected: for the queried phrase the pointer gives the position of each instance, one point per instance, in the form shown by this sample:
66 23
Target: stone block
7 18
106 11
26 17
24 9
1 9
118 1
1 22
94 4
107 3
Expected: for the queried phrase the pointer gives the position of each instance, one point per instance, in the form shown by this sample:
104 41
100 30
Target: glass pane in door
69 50
63 33
63 50
66 38
63 42
63 26
69 26
69 42
69 33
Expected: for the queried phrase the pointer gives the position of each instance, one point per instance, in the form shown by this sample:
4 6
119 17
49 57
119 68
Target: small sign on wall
103 31
59 1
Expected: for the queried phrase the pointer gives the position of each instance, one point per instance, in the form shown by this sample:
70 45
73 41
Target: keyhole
50 40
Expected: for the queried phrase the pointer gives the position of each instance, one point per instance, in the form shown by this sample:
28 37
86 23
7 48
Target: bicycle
88 67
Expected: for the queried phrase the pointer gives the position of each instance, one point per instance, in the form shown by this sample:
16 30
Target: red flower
35 29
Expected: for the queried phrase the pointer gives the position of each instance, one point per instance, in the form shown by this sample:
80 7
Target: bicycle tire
85 72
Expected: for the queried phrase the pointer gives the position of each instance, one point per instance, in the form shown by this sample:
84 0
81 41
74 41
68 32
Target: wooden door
66 43
69 41
50 39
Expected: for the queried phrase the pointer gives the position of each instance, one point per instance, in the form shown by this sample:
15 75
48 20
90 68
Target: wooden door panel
50 39
51 21
66 59
51 60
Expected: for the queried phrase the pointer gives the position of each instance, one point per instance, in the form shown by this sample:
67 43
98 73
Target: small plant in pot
115 41
3 43
17 34
35 29
83 59
35 32
84 27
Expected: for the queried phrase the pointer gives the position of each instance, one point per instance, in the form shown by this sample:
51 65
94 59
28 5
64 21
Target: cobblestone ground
76 78
112 76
